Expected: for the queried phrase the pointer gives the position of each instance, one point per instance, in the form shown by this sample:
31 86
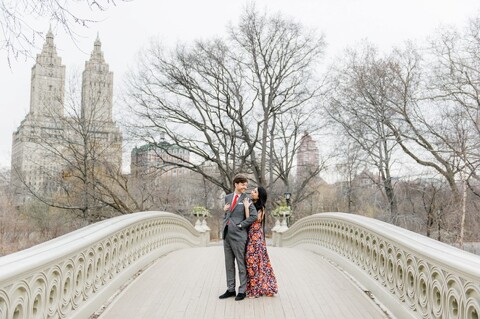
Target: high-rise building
96 109
97 87
50 141
307 157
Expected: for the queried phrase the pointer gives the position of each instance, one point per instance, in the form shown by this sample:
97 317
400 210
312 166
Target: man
235 234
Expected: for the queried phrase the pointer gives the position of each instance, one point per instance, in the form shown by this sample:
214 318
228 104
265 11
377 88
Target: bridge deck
187 283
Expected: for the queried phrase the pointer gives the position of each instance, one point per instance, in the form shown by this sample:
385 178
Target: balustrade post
206 234
279 239
198 226
283 228
277 232
274 232
277 225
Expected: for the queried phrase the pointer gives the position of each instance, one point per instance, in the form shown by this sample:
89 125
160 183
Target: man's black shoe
227 294
240 296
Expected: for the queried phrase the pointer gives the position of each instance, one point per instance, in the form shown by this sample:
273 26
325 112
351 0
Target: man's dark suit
235 234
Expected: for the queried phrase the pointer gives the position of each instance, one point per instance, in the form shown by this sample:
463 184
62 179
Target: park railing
413 276
73 275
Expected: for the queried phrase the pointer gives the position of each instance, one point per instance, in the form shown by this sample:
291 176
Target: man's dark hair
239 178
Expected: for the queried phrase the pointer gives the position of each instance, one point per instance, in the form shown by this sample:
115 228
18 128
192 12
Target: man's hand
226 207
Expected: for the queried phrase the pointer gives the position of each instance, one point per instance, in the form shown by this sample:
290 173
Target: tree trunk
464 202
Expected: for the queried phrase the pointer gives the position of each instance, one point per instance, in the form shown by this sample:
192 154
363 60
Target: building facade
50 142
307 157
158 160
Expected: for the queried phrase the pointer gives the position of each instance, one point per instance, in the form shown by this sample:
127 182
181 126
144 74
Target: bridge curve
413 276
73 275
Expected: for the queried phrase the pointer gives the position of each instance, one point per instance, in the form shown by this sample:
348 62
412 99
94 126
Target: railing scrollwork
412 275
71 276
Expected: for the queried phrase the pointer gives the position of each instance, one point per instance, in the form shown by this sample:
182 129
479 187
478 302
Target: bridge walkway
186 284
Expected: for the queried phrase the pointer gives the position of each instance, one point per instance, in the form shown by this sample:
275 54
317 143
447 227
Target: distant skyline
126 28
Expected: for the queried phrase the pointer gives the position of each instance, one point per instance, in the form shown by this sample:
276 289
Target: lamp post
287 198
287 201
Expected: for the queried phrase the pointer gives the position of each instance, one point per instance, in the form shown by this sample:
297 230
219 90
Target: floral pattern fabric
261 279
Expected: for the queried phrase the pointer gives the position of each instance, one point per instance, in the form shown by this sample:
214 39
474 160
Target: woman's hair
262 198
260 205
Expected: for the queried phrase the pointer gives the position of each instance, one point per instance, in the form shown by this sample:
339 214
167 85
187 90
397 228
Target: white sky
125 29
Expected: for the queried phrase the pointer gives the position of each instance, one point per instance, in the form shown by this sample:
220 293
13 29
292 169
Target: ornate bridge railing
412 275
73 275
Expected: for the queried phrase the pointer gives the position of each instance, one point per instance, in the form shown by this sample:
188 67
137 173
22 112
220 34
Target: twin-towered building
57 137
65 137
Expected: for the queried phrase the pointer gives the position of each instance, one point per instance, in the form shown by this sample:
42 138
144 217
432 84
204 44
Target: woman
261 280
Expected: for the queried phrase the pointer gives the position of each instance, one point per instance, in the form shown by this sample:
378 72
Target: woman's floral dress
261 280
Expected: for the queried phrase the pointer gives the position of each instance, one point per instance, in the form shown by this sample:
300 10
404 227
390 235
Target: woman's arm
246 204
260 215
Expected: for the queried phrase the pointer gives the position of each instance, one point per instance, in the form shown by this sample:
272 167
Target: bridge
157 265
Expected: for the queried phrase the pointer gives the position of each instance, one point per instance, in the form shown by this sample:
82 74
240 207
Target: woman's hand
226 207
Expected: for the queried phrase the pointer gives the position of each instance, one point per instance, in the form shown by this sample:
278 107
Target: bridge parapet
412 275
73 275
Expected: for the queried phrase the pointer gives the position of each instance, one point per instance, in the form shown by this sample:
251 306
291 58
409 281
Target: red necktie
234 202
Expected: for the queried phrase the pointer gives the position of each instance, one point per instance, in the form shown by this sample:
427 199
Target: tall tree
358 106
455 84
349 164
224 99
453 89
433 122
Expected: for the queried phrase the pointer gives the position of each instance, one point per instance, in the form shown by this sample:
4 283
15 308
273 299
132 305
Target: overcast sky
125 29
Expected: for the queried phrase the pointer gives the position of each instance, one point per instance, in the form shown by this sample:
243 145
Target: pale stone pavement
187 283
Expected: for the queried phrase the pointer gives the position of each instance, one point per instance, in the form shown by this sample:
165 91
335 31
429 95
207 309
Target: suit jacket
237 217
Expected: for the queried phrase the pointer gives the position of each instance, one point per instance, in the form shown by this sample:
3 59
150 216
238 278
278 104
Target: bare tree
358 105
287 141
435 121
224 99
24 227
18 20
349 166
428 200
456 83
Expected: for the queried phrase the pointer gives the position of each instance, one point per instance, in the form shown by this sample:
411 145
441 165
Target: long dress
261 279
